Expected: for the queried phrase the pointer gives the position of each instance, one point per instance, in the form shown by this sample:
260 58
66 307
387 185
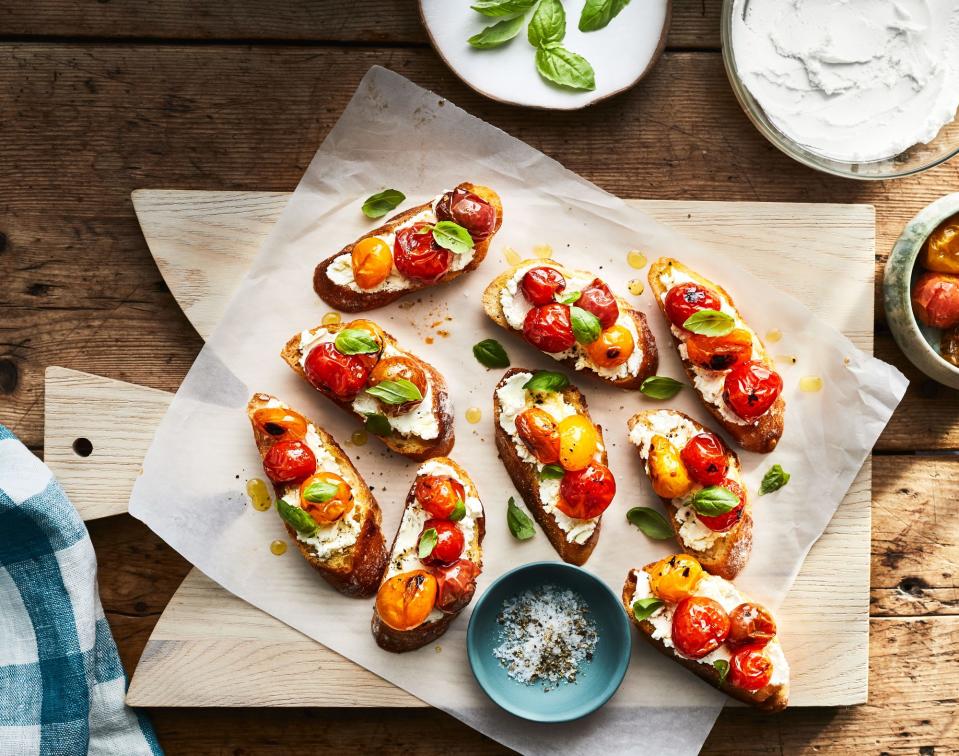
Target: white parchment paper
395 134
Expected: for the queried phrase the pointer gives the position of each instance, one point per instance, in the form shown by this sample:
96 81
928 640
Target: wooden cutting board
212 649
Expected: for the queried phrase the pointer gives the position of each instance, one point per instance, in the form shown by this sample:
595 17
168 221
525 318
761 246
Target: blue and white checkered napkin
61 682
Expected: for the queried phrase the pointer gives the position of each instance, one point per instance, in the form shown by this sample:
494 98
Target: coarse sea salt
546 635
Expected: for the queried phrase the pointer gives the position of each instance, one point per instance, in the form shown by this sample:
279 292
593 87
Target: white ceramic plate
620 54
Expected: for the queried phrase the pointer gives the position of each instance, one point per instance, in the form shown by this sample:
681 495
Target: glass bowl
916 159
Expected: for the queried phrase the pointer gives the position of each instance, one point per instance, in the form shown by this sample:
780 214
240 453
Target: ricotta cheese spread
851 80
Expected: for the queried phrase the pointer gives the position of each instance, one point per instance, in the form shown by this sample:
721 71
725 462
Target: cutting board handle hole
83 447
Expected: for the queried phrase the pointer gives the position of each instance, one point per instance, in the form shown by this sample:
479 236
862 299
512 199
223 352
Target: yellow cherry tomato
372 262
667 472
282 424
674 578
326 497
406 600
578 440
613 347
941 252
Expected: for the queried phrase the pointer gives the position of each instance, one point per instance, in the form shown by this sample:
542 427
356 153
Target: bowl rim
580 710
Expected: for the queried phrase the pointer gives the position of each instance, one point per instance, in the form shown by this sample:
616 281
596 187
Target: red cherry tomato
468 210
588 492
438 494
725 521
719 352
549 328
688 298
343 375
750 625
751 388
449 542
417 255
599 300
289 462
541 285
456 582
700 625
750 669
705 459
935 298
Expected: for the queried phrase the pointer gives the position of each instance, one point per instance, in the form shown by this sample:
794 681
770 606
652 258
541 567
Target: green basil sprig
498 34
568 297
548 24
377 424
551 472
379 204
565 68
660 387
452 236
714 500
722 667
546 380
356 341
644 607
586 326
651 522
598 13
299 520
710 323
520 525
500 8
427 543
774 479
320 491
399 391
490 353
459 511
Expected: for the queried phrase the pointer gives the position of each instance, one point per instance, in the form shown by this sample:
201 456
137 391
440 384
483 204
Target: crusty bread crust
760 437
494 308
355 571
413 447
729 554
526 478
400 641
345 299
770 699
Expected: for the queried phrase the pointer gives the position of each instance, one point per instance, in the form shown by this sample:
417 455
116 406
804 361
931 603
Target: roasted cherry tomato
613 347
289 461
537 430
674 578
372 262
667 472
700 626
468 210
719 352
688 298
750 669
394 369
750 389
549 328
949 345
334 506
280 423
342 375
725 521
449 542
456 584
578 441
750 625
935 298
406 600
599 300
705 459
439 494
417 255
586 493
941 250
540 285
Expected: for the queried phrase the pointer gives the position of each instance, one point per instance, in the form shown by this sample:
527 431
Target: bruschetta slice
703 622
327 508
724 359
436 557
574 317
556 457
404 255
700 481
401 399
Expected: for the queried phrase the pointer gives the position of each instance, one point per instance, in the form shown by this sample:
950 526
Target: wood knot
9 376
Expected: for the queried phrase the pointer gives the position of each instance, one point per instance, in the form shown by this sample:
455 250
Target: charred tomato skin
417 255
541 284
750 389
468 210
549 328
686 299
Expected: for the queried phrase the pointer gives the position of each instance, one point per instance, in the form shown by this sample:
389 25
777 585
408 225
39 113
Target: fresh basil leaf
377 424
586 326
644 607
710 323
395 392
498 34
660 387
379 204
774 479
299 520
598 13
427 543
453 237
714 500
546 380
320 491
568 297
565 68
722 667
500 8
551 472
356 341
520 525
548 24
490 353
459 511
651 522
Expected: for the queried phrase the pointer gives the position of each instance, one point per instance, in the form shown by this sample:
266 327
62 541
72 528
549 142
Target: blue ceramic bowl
597 678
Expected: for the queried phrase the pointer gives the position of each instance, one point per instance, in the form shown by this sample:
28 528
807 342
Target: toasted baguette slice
771 698
343 297
410 445
645 345
355 569
728 554
404 558
524 473
759 436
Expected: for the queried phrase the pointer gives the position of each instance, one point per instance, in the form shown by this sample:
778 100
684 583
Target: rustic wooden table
99 99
